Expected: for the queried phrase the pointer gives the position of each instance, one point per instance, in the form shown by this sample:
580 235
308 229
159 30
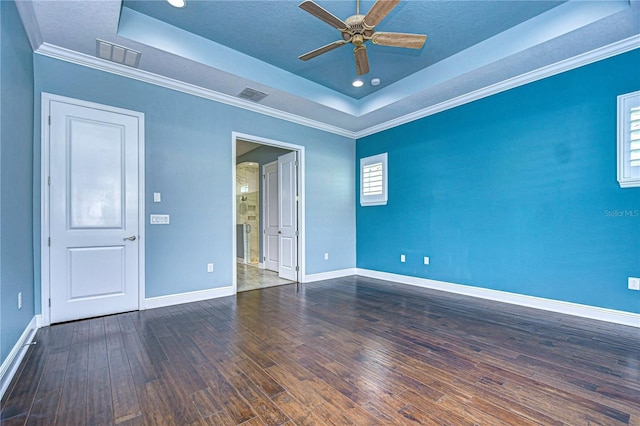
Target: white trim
575 309
329 275
583 59
67 55
626 178
45 109
10 365
301 200
367 200
192 296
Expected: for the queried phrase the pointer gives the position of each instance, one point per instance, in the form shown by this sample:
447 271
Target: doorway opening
268 212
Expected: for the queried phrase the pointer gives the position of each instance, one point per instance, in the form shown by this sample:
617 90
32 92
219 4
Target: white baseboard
192 296
584 311
329 275
11 364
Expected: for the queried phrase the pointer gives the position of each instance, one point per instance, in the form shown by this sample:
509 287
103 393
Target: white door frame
301 198
46 99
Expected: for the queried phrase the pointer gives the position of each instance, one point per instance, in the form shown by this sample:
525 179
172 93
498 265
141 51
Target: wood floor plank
99 404
73 399
349 351
123 390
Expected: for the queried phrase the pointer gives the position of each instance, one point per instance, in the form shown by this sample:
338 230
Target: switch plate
159 219
403 258
326 256
209 267
157 197
634 283
426 260
20 300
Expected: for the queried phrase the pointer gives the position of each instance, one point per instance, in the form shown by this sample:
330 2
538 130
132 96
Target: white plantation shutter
373 180
634 137
629 139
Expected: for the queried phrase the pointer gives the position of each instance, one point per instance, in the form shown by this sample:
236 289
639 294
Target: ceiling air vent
252 94
118 54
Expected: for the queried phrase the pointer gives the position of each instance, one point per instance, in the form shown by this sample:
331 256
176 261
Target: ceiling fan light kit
358 29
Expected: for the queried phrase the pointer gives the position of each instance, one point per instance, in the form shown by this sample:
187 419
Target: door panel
288 216
270 200
93 212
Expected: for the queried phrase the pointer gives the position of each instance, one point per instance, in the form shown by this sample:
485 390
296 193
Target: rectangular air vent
118 54
252 94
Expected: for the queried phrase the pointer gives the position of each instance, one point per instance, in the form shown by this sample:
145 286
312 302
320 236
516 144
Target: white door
93 212
288 216
270 200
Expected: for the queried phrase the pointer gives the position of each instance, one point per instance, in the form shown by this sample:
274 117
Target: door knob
131 238
279 232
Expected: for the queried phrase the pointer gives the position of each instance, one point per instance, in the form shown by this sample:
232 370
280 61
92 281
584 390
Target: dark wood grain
338 352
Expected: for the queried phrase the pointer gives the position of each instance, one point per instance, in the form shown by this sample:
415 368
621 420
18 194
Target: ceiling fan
358 29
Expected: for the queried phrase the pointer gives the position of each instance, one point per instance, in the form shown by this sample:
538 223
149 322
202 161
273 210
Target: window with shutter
373 180
629 140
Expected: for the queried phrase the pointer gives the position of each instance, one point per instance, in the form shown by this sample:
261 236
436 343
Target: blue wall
514 192
16 174
188 160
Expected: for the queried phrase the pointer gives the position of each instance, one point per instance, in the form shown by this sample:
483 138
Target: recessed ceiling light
357 83
375 81
177 3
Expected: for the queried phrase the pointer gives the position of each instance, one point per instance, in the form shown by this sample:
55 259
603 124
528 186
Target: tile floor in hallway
250 277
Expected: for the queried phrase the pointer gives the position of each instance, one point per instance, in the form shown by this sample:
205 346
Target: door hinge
297 268
296 163
49 180
297 233
49 302
49 120
49 241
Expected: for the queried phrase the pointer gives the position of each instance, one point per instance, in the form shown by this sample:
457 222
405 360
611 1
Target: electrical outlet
20 300
209 267
326 256
634 283
403 258
157 197
426 260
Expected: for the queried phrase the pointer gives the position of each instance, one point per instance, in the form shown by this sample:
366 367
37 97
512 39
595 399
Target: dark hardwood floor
346 351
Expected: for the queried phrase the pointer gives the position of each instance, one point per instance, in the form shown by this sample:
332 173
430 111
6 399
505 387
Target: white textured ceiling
460 61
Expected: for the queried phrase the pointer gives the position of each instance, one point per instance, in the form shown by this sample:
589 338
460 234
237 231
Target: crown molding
583 59
587 58
88 61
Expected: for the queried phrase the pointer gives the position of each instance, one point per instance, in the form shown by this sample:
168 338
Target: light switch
157 197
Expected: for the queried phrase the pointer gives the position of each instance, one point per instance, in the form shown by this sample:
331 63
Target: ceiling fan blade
379 10
411 41
362 61
322 14
321 50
